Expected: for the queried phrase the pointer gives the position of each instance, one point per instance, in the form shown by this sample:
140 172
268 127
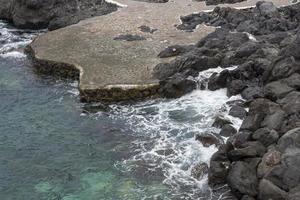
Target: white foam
14 54
116 3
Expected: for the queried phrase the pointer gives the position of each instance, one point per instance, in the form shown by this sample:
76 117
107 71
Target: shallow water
54 147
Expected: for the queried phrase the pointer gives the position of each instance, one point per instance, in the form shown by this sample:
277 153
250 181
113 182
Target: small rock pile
260 161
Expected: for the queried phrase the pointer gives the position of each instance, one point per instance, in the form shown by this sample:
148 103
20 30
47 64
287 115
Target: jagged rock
176 86
291 103
221 154
235 87
199 170
240 138
267 190
267 9
209 139
238 111
269 160
217 173
277 90
242 179
220 122
291 139
248 150
252 92
265 136
218 81
228 130
52 14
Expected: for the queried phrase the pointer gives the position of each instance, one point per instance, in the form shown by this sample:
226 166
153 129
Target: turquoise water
53 147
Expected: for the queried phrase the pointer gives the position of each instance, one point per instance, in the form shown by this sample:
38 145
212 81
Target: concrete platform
114 70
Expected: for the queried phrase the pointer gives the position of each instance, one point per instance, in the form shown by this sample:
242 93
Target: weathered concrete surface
115 70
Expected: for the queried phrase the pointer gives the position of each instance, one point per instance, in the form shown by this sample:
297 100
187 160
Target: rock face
52 14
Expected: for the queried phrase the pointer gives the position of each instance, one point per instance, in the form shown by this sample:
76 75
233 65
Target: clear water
52 147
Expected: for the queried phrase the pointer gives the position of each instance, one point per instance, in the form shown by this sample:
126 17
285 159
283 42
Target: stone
277 90
267 190
228 130
218 81
294 194
242 179
267 9
199 170
291 103
248 150
174 50
217 173
247 197
238 111
129 37
235 87
176 86
252 122
241 138
291 139
252 92
247 49
221 154
269 160
265 136
209 139
220 122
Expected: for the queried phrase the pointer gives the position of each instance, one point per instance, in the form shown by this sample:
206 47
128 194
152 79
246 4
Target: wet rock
217 173
267 190
220 122
248 150
269 160
176 86
218 81
242 179
238 111
129 37
265 136
228 130
174 50
235 87
209 139
221 154
252 122
199 170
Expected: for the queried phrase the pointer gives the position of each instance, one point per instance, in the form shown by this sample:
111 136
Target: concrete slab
114 70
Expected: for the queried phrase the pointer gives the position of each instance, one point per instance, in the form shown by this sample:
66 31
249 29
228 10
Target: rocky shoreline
261 160
51 14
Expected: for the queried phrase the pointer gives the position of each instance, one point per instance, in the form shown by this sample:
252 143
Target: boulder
209 139
252 92
267 190
269 160
239 139
176 86
217 173
248 150
267 9
174 50
217 81
294 194
220 122
277 90
228 130
238 111
235 87
242 179
265 136
291 139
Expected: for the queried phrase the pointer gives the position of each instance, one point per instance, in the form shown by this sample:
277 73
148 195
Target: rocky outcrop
261 160
52 14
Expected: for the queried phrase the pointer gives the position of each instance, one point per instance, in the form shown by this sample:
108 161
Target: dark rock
228 130
174 50
247 197
269 160
291 139
176 86
130 37
290 103
154 1
248 150
238 111
216 2
252 122
217 173
220 122
277 90
267 9
147 29
247 49
241 138
221 154
293 81
274 120
252 92
267 190
209 139
294 194
265 136
242 179
218 81
163 71
235 87
199 170
52 14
